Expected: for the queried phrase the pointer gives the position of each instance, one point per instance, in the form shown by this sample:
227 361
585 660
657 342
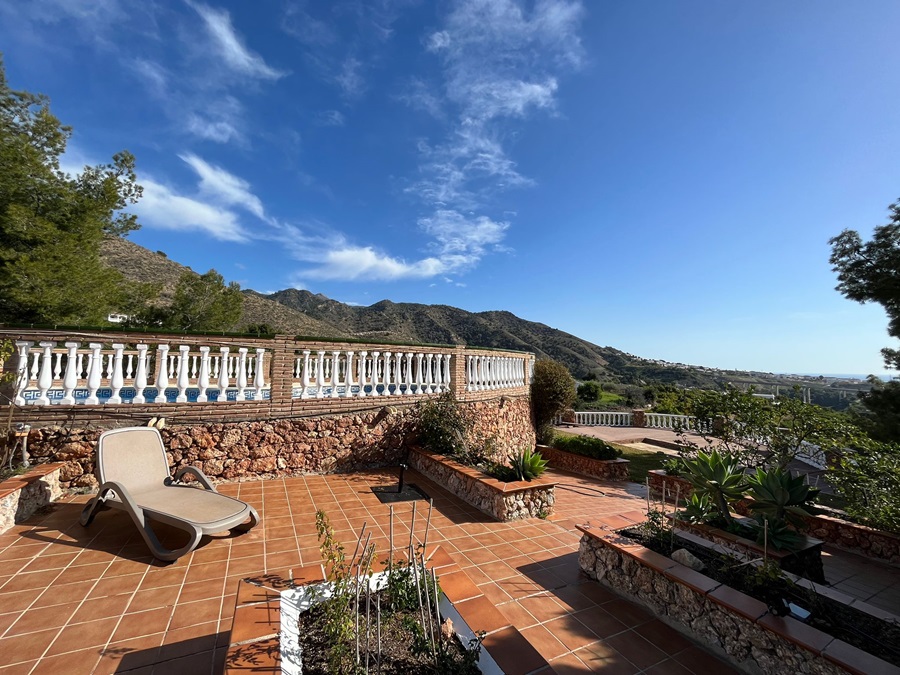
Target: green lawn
642 461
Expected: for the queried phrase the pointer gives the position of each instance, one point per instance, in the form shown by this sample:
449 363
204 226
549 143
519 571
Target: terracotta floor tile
17 601
253 621
184 641
636 649
82 661
154 598
143 623
48 562
627 612
570 664
544 642
498 570
494 593
80 636
517 615
600 622
33 620
192 613
30 580
663 636
126 655
571 632
513 653
201 590
57 594
27 647
101 608
602 658
481 615
700 661
75 573
669 667
186 665
543 607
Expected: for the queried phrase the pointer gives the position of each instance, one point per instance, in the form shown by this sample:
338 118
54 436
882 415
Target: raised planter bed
264 628
830 528
503 501
608 469
20 496
724 618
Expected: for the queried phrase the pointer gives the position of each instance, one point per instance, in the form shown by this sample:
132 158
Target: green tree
552 391
203 303
870 272
589 391
51 224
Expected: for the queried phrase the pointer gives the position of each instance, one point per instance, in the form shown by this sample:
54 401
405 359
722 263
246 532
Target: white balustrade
665 421
96 374
488 373
603 418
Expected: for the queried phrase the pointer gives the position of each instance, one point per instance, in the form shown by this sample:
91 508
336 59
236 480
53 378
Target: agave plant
528 464
777 534
697 509
780 497
718 476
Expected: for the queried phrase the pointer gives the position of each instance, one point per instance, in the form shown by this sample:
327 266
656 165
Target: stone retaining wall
503 501
251 450
608 469
20 496
833 530
727 620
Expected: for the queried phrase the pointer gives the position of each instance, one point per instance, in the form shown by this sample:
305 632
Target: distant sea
887 377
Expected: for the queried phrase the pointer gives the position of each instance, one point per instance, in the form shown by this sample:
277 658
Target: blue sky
659 177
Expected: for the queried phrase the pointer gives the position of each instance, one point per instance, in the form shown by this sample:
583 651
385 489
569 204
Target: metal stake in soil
412 527
675 514
391 541
427 525
378 628
368 618
429 627
415 569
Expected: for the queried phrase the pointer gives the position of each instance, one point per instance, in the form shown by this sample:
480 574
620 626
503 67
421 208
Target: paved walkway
75 600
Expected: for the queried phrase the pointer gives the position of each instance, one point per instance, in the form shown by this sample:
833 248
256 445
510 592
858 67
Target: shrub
719 476
443 426
870 481
552 392
589 391
588 446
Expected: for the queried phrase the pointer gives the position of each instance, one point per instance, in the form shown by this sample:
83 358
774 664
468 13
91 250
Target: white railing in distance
603 418
487 373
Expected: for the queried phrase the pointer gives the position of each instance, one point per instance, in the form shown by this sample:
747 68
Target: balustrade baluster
45 377
398 373
95 374
203 377
362 373
259 373
194 372
348 375
223 375
183 374
162 375
334 373
129 366
408 379
305 382
375 379
71 378
140 377
57 367
117 377
35 366
242 374
320 373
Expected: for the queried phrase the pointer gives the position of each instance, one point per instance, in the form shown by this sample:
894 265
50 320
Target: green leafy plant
869 480
777 534
587 446
780 497
444 427
528 464
698 509
673 466
719 476
656 525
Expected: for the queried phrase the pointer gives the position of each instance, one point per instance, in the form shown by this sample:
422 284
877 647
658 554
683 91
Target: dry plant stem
675 514
429 626
378 628
412 527
648 494
357 615
368 619
356 549
427 525
391 541
437 610
412 558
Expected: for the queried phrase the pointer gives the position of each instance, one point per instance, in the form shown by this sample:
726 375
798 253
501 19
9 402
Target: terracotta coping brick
257 657
651 559
857 661
739 603
794 631
694 580
877 612
512 652
481 614
458 587
14 483
248 594
251 622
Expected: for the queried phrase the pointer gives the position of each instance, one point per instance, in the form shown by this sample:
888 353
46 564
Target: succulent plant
697 509
717 475
528 464
778 496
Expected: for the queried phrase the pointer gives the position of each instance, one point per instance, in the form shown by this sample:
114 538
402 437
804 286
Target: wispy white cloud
224 187
500 63
221 121
164 208
350 78
230 46
154 76
331 118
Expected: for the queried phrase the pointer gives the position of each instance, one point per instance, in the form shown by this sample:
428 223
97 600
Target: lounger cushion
194 505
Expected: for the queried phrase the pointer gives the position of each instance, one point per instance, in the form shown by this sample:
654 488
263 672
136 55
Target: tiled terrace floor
81 601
